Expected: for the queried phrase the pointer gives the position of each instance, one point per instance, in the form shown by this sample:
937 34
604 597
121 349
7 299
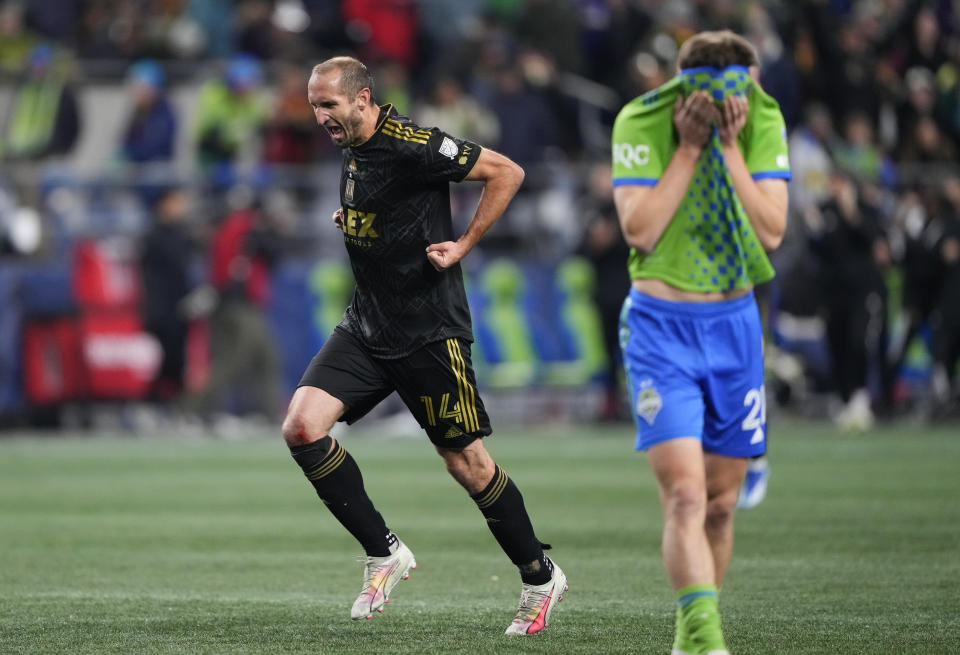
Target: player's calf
337 480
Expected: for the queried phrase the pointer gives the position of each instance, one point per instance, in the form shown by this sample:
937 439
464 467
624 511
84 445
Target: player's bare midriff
660 289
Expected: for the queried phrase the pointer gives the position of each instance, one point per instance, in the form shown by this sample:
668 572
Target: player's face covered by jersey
336 112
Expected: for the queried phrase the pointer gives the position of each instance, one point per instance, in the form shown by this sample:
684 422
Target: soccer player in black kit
408 330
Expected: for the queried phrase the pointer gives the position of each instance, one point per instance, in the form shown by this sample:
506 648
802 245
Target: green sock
698 620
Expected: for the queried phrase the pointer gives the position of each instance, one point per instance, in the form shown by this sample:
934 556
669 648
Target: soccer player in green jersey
700 174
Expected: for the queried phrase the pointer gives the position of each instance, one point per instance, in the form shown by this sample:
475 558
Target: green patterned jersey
709 245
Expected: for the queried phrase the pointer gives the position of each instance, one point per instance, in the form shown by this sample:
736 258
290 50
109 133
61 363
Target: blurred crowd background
167 257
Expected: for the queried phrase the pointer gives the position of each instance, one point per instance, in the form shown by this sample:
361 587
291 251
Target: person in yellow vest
231 114
44 118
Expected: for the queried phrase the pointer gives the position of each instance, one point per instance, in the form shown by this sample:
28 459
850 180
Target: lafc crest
350 186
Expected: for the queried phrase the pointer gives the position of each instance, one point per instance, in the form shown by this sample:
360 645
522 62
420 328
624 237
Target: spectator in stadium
165 262
859 153
927 144
946 315
215 20
612 32
916 233
779 76
853 87
947 106
289 135
231 114
243 356
810 160
54 19
386 31
604 247
151 129
926 48
16 41
407 330
527 126
699 171
851 248
918 101
552 27
449 106
393 79
256 34
444 23
44 119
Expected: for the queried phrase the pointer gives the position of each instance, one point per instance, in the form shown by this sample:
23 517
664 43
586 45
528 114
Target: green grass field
111 545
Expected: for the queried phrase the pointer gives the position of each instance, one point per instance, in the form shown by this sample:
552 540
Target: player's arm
765 200
501 178
645 211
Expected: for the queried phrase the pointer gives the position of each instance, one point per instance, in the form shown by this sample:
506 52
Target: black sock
502 505
335 476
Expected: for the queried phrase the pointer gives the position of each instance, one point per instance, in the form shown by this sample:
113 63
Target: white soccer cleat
536 604
380 576
856 416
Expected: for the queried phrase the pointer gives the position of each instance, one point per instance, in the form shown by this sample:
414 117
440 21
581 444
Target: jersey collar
386 111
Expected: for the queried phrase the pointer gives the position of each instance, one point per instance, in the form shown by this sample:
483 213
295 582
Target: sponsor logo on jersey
629 155
649 402
453 432
782 161
448 148
358 227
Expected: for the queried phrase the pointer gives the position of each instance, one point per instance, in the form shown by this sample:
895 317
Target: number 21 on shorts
756 400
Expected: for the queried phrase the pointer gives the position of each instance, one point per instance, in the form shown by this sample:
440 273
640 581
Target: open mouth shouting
336 131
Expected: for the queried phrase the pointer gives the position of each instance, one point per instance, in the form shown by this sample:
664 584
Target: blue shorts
696 370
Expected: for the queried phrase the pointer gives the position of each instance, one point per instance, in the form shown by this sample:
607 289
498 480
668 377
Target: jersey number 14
446 412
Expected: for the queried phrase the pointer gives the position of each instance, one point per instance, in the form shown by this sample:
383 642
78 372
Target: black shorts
436 383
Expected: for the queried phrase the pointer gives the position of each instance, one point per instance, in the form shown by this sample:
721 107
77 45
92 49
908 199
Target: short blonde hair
354 76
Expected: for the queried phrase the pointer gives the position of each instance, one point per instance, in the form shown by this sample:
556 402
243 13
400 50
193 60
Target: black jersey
395 197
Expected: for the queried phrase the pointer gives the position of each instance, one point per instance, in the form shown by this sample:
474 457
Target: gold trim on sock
328 465
496 490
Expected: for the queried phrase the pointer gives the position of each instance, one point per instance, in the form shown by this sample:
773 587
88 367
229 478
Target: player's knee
720 512
311 415
686 500
295 430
